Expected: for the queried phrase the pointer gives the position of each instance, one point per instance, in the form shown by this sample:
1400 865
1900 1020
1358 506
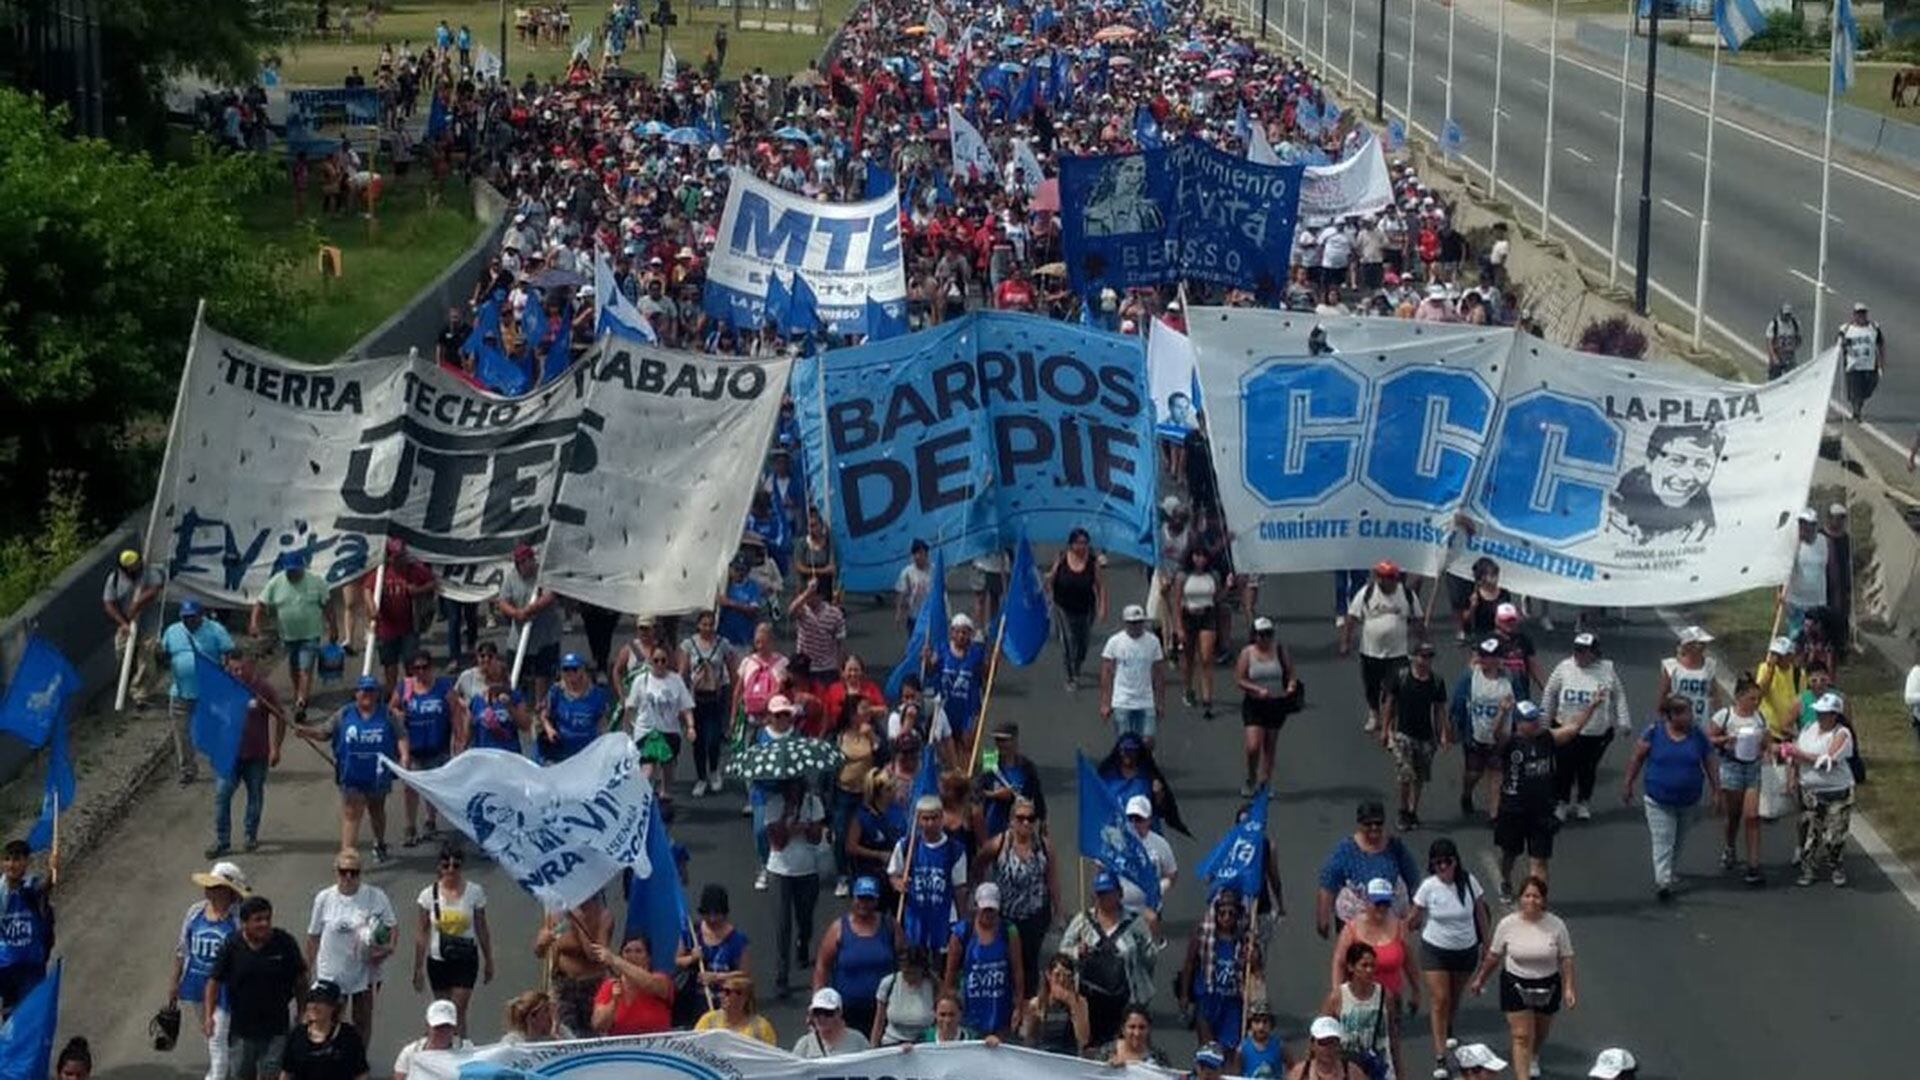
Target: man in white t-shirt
1140 820
1131 687
349 934
1863 354
1384 610
1806 586
443 1033
911 587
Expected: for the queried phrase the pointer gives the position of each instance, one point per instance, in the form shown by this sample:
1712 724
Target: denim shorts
1141 722
1737 775
303 655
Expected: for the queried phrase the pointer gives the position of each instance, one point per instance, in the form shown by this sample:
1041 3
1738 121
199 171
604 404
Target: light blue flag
1107 838
1237 859
1450 138
1846 42
803 315
612 309
26 1042
1737 21
879 180
1146 130
219 715
1396 136
656 907
1027 621
58 795
881 323
43 682
928 625
778 305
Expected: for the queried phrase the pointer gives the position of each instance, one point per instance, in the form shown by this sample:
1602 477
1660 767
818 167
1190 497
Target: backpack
758 688
1101 969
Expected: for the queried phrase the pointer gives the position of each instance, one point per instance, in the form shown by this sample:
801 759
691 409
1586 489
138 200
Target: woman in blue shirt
1678 762
363 732
495 720
204 930
575 714
424 702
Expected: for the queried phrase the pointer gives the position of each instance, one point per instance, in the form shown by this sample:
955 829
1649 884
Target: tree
103 256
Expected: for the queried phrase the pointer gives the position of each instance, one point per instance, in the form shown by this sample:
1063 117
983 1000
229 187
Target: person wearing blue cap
193 636
574 713
1116 952
300 615
1208 1062
857 952
362 732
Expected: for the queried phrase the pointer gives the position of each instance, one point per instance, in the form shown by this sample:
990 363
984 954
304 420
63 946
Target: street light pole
1643 255
1413 15
1499 77
503 40
1620 148
1446 106
1353 22
1380 68
1553 73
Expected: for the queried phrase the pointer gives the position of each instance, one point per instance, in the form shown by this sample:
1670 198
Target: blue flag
803 315
882 324
942 191
879 180
558 355
1396 136
1157 11
926 781
1024 95
1146 130
928 625
436 117
778 304
1450 138
219 715
26 1042
656 908
1027 625
58 794
43 682
1107 838
491 365
1236 859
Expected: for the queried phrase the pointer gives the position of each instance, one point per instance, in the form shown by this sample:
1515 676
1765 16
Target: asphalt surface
1764 233
1686 986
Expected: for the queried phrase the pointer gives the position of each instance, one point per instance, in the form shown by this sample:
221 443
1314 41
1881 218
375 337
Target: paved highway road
1764 208
1690 987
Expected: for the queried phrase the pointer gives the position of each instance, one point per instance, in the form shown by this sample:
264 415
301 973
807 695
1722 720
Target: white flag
563 831
485 64
1025 160
669 67
937 24
583 49
971 158
1259 150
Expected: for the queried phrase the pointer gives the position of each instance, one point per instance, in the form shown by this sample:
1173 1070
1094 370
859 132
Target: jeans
710 727
798 896
463 627
759 803
252 774
1667 828
845 804
1141 722
180 720
1074 630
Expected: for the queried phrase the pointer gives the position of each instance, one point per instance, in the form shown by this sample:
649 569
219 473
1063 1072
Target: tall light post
1643 255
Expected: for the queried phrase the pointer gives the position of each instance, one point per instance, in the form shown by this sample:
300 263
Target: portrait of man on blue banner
970 433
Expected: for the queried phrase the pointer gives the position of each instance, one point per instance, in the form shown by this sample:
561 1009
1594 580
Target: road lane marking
1676 207
1579 155
1697 155
1809 280
1541 83
1815 211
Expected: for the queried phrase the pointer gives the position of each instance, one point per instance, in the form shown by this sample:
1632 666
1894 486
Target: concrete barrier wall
1854 128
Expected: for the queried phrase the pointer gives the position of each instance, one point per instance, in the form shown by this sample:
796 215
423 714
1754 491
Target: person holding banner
738 1011
633 999
568 942
361 733
1056 1019
132 586
534 615
424 703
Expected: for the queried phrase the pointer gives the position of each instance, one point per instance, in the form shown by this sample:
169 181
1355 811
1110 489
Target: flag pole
700 962
1446 106
1553 84
1499 75
1706 197
986 695
53 854
826 435
1353 19
1826 185
153 513
373 618
1247 931
1326 16
1406 113
1620 148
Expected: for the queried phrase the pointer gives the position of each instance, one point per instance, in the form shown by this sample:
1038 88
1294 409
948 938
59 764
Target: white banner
1589 480
847 252
274 457
669 66
1171 380
563 831
1356 186
971 158
1031 171
1259 150
650 523
485 64
722 1055
937 24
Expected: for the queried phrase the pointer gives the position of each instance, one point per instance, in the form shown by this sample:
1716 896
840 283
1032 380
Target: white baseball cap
1262 624
987 896
1133 613
1478 1056
1810 516
1694 635
1611 1063
1837 510
1505 613
1830 702
1325 1027
826 998
443 1013
1140 806
1781 646
961 621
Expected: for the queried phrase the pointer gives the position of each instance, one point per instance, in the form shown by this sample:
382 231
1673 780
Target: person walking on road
443 1033
184 642
323 1046
1116 952
1588 686
203 933
856 954
1679 762
1080 595
1863 356
1270 688
132 587
1783 342
1355 861
263 732
827 1032
536 612
453 951
1740 734
1450 915
1383 612
1820 772
984 968
1395 966
1692 674
301 615
1480 709
259 973
423 702
351 932
1534 953
1326 1054
1369 1023
396 632
1526 822
1132 678
1212 985
362 733
1413 724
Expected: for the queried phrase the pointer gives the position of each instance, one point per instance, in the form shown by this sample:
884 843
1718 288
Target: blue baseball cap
866 888
1527 710
189 607
1130 741
1210 1056
572 660
1105 881
366 682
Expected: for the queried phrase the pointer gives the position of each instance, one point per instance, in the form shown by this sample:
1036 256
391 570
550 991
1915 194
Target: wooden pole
986 694
700 962
373 618
1253 943
53 854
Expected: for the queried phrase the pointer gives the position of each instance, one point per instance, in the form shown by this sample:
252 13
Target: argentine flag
1737 20
1846 42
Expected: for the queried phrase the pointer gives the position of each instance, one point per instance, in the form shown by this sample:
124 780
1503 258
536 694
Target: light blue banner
967 434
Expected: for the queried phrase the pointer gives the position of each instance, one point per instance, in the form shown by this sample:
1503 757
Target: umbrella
557 279
1120 61
1193 48
793 134
914 31
786 759
1115 33
1053 269
1012 67
686 136
1221 74
1046 198
651 127
1240 51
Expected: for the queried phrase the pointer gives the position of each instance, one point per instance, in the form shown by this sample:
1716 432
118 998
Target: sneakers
253 843
1246 789
1560 812
1206 711
1726 858
746 810
760 881
1839 878
1582 811
1187 699
1506 893
1663 893
1753 877
380 855
1400 819
1413 820
699 789
217 849
1806 876
1372 724
842 888
716 783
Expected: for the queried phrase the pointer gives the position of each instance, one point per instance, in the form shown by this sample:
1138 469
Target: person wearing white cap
208 924
1132 681
1821 771
1863 352
1139 810
1806 587
959 667
930 870
1264 671
1781 677
1326 1057
443 1033
827 1032
1586 688
984 969
1692 674
1477 1059
1614 1064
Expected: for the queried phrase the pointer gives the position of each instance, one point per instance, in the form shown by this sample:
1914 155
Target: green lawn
779 51
385 261
1872 88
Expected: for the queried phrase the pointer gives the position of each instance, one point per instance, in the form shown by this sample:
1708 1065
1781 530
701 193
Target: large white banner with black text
1591 480
273 457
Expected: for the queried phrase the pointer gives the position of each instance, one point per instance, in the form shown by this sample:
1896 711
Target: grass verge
777 49
1872 88
385 261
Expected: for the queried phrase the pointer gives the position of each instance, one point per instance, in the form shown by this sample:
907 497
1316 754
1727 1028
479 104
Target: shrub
1614 336
31 560
1785 31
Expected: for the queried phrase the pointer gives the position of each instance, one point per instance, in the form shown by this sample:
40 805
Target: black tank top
1073 589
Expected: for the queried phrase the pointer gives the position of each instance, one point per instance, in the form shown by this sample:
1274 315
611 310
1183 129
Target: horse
1904 80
